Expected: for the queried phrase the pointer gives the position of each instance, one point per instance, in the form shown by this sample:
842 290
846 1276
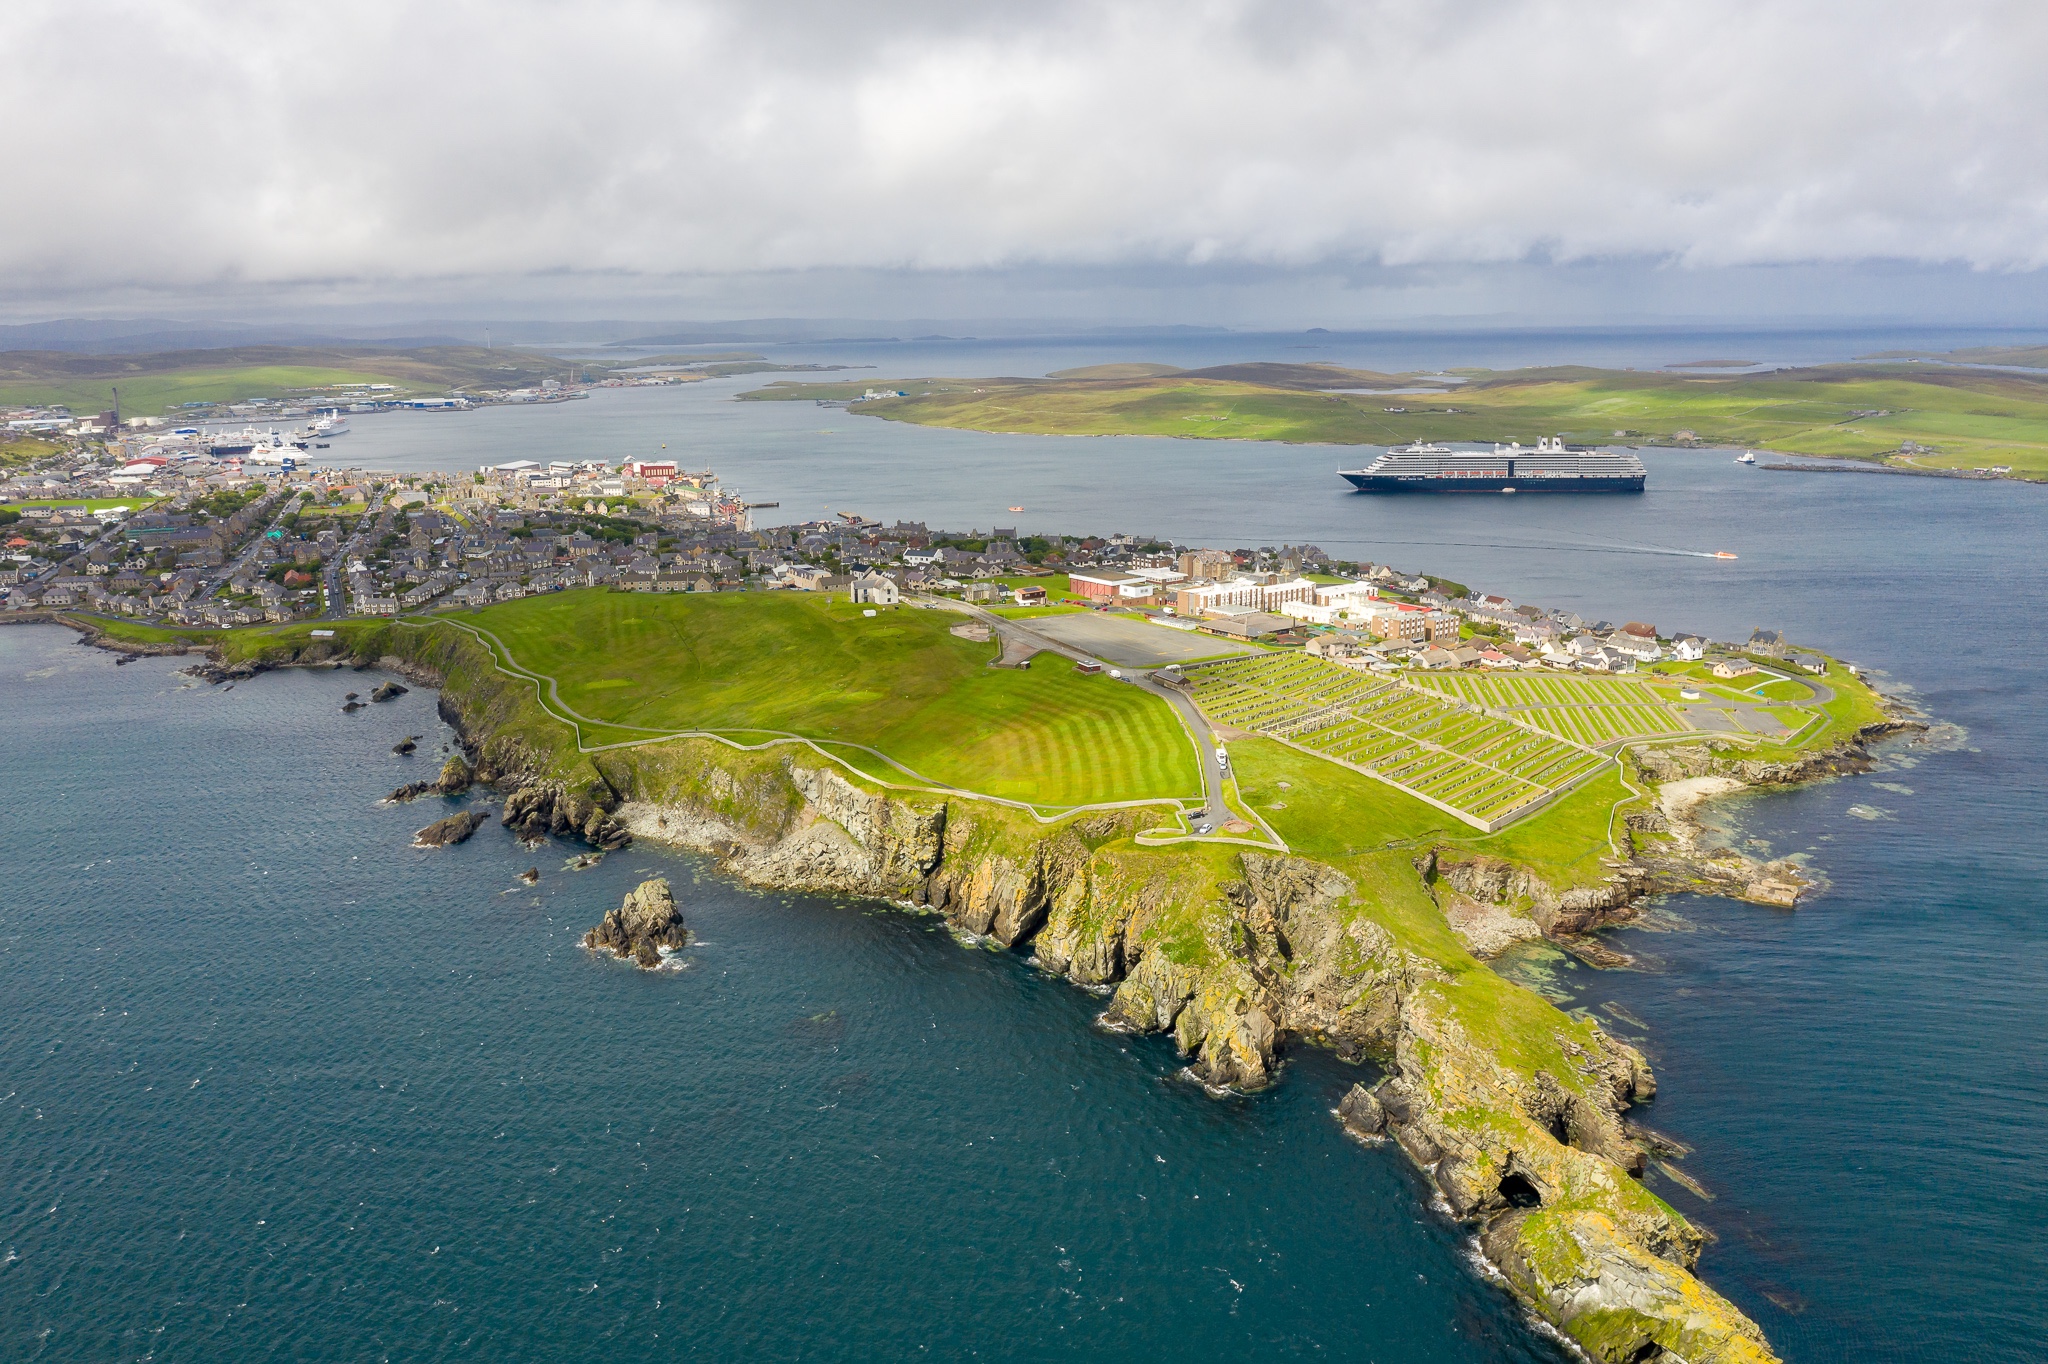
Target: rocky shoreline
1515 1111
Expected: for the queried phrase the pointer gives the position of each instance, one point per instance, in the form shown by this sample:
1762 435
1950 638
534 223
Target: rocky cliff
1513 1108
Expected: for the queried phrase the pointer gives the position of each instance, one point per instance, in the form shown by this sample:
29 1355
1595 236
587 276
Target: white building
874 589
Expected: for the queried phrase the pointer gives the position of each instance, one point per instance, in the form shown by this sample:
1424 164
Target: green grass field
91 504
1424 742
897 682
1971 418
1034 612
1595 711
136 633
18 449
1323 810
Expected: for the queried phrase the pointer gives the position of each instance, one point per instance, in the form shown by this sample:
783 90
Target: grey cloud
210 144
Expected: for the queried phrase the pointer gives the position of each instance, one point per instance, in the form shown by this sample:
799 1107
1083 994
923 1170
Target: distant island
1983 412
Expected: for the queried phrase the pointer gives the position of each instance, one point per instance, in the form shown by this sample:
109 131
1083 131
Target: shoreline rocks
456 777
644 923
534 811
388 691
446 833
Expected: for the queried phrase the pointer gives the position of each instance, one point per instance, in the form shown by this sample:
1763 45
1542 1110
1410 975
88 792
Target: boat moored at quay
1550 467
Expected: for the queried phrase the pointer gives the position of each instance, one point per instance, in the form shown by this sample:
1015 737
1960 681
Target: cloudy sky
1200 160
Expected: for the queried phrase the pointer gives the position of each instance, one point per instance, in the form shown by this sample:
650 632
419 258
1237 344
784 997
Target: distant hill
153 381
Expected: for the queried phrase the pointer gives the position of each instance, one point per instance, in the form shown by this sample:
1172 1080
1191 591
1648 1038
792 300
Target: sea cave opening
1519 1190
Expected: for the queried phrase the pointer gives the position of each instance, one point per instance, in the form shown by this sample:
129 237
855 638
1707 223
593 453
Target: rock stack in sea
444 833
646 922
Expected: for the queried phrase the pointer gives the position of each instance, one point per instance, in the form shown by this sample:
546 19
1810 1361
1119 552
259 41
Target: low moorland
1954 416
151 384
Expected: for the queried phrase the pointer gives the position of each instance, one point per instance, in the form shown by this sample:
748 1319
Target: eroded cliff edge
1515 1110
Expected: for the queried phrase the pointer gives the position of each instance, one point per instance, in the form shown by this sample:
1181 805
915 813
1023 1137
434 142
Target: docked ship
1550 467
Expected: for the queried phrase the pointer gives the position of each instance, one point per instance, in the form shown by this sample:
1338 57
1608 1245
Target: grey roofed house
1812 663
1769 643
874 589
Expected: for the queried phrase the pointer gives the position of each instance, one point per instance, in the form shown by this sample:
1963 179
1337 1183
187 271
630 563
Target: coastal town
170 529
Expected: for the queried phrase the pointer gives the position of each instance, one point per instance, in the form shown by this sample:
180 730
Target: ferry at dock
1550 467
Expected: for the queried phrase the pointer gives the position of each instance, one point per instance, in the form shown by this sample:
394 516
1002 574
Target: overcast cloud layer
188 145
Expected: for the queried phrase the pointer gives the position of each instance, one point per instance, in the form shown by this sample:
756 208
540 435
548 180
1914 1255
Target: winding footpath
547 692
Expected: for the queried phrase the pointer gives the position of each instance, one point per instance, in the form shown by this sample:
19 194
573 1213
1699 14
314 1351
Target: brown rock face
545 808
445 833
646 922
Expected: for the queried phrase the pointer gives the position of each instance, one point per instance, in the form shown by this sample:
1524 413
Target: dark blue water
277 1086
1861 1080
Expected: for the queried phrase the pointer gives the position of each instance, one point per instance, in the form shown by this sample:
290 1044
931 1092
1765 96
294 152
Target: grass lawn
91 504
136 633
1329 811
1034 612
898 682
1564 842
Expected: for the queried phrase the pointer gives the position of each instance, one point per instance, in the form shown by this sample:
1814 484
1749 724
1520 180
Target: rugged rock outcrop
1557 914
640 927
1513 1108
405 747
455 778
388 691
541 808
457 828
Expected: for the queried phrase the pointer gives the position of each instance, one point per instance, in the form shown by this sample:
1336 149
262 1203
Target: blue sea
277 1085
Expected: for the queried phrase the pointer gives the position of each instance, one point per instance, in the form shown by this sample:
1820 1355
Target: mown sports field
754 664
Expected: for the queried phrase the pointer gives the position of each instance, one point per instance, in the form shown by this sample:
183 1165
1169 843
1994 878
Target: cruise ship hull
1368 482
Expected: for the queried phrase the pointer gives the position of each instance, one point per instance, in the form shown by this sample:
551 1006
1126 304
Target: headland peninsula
1315 816
1981 413
1259 798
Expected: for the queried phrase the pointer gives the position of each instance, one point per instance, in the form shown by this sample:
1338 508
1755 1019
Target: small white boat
1746 457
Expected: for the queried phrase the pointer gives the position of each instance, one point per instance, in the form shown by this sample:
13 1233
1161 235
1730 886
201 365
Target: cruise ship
1548 468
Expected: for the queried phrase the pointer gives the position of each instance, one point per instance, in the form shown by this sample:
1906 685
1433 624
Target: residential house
1604 659
1635 646
1769 643
1734 667
809 577
873 589
1812 663
1688 648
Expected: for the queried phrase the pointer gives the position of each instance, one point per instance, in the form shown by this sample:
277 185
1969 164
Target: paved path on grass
548 692
1200 732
